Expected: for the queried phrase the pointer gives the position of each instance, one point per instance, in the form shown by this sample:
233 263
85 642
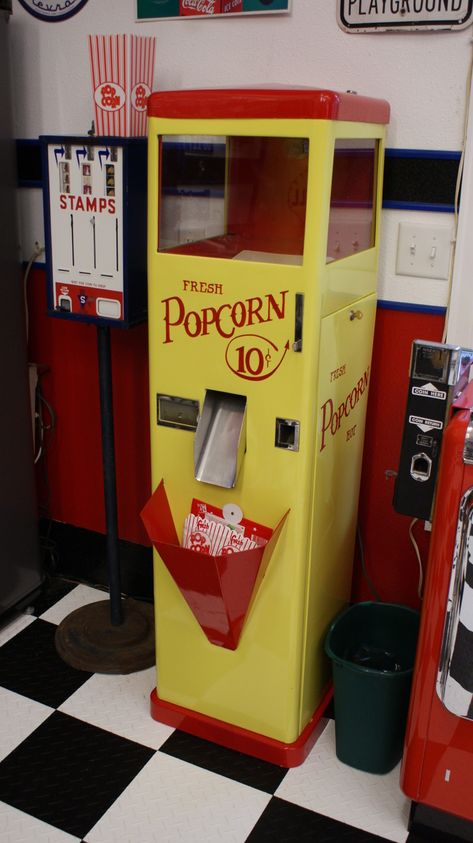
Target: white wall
422 75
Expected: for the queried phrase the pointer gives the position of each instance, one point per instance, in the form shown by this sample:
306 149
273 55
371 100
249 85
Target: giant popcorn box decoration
219 587
122 68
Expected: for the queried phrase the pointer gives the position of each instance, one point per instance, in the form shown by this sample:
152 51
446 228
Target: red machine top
298 103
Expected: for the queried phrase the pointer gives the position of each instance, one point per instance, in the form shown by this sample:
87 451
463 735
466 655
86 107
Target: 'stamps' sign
402 15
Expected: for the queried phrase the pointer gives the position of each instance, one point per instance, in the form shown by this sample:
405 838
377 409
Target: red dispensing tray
219 590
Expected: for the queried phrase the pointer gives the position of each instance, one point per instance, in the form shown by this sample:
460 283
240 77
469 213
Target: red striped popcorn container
122 69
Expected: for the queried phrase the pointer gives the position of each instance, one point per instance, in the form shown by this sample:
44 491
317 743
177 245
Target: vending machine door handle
298 320
355 314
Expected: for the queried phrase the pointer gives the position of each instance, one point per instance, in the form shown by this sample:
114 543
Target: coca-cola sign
200 7
156 9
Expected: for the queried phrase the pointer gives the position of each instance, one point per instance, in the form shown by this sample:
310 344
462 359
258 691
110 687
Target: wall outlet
424 250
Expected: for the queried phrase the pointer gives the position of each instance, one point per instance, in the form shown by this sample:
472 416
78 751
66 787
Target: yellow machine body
212 323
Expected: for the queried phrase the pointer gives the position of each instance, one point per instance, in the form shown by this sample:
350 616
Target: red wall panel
67 351
389 554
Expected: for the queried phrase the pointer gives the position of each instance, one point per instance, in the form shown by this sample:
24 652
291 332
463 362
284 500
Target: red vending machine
437 768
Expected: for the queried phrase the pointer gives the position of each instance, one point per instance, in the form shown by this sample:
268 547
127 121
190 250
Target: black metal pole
108 456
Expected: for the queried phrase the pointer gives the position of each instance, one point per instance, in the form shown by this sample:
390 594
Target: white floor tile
120 704
19 717
369 802
174 802
17 827
78 597
14 626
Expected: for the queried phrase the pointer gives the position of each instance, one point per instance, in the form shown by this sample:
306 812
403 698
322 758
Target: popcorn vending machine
263 225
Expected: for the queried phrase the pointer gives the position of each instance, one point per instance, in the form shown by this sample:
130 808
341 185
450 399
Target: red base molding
242 740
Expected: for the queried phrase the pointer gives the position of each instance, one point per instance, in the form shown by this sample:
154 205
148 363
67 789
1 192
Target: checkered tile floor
81 759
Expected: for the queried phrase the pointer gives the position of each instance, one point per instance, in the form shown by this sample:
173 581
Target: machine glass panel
352 200
233 197
455 676
432 362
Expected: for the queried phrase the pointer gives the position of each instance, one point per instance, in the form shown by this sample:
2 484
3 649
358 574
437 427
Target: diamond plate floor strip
19 717
171 801
225 762
325 785
127 710
285 822
101 770
30 665
17 827
68 773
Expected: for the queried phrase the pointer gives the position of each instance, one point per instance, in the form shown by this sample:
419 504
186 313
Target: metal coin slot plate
220 439
287 434
437 376
421 467
181 413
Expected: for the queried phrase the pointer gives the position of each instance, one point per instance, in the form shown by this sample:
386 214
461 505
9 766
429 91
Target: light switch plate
424 250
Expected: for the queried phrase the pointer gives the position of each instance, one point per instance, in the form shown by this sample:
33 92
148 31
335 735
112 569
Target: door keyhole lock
355 314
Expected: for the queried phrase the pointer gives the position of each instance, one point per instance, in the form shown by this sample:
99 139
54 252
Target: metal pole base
88 640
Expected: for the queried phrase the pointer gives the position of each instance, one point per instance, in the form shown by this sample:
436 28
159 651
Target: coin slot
182 413
287 434
421 467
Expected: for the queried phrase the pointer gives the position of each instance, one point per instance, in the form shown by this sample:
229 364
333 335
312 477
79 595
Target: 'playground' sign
402 15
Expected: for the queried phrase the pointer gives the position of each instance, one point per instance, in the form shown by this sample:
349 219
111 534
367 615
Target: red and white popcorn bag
122 69
220 532
197 534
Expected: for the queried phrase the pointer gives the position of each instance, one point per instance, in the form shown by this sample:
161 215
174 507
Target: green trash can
372 648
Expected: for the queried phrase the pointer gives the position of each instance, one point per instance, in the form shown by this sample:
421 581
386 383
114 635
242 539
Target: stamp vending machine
263 231
95 219
95 233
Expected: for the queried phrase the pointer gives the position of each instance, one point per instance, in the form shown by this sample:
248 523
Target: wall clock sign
52 11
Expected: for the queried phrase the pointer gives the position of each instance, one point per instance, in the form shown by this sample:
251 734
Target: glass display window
352 200
233 197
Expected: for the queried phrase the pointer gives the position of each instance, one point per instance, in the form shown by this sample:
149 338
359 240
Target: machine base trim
243 740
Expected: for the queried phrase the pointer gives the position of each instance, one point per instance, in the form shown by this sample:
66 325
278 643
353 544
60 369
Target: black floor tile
288 823
226 762
30 665
54 589
67 773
